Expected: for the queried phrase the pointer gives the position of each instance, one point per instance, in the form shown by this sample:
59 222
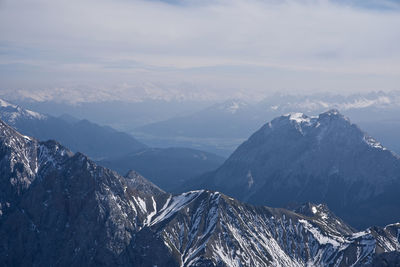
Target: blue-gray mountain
222 127
119 151
325 159
61 209
168 168
96 141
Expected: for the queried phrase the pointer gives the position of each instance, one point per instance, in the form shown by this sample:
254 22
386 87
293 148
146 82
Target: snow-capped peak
299 117
10 113
5 104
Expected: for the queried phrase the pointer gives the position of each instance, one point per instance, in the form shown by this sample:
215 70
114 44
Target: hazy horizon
203 50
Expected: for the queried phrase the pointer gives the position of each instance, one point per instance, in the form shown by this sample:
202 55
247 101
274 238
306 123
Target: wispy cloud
262 44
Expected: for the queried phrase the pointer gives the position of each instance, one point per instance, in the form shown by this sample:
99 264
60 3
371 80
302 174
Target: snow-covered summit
4 104
299 117
327 121
11 113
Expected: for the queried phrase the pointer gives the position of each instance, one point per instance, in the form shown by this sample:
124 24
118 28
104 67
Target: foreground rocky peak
204 228
76 213
22 160
62 205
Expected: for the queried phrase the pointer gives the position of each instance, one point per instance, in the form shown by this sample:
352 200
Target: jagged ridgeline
324 159
61 209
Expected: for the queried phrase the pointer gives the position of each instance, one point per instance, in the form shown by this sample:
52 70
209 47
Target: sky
216 47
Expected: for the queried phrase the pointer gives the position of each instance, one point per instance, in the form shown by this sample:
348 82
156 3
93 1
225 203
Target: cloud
262 44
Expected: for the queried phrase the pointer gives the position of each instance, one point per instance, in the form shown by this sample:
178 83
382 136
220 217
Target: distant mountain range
220 120
167 167
58 208
323 159
222 127
218 127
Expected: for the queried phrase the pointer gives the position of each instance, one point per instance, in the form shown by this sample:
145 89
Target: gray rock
326 159
65 210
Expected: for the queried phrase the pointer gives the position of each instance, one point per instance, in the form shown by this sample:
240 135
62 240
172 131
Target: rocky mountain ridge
63 209
324 159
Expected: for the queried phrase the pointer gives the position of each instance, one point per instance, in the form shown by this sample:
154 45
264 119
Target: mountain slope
324 159
169 168
64 210
218 128
203 228
207 122
94 140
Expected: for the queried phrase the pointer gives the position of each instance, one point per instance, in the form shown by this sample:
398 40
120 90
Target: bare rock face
64 210
326 159
202 228
18 158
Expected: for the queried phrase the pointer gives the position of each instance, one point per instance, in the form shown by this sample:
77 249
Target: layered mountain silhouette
324 159
168 167
222 127
59 208
96 141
